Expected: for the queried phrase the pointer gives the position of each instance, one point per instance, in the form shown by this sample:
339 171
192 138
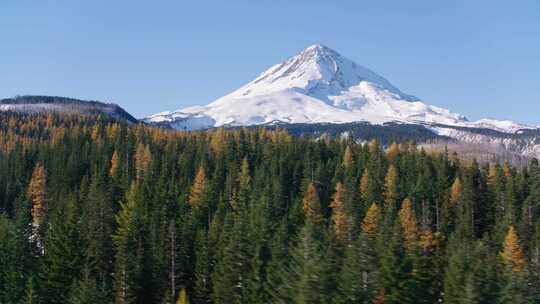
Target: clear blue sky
479 58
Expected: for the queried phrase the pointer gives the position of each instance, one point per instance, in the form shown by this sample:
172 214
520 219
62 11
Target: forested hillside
98 211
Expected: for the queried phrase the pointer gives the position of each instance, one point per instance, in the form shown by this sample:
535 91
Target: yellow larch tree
507 170
36 193
393 152
183 297
340 220
311 205
348 159
492 174
370 223
218 140
512 254
364 181
114 164
143 156
409 225
455 192
390 187
197 195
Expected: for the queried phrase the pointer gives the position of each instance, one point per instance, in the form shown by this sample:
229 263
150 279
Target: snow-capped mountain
321 88
318 86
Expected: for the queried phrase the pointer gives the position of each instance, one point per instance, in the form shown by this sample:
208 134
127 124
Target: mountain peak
319 49
320 72
318 85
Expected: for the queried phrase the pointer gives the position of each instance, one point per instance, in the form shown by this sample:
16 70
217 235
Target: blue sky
478 58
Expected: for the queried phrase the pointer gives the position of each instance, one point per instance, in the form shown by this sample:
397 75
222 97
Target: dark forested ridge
40 104
98 211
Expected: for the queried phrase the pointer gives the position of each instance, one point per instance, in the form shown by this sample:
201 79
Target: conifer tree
183 297
512 254
63 254
87 291
393 152
391 188
203 287
115 159
241 198
341 220
358 276
455 192
348 160
367 188
97 222
409 225
30 294
395 272
456 271
36 193
143 157
371 221
198 196
133 278
304 280
311 205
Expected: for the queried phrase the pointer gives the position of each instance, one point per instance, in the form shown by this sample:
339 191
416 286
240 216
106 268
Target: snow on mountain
319 86
507 126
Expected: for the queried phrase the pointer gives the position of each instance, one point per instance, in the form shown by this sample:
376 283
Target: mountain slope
317 86
33 104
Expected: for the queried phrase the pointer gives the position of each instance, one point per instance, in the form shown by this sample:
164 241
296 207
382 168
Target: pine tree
241 197
203 287
87 291
231 274
30 295
63 254
304 280
97 222
358 276
395 272
13 261
456 272
133 278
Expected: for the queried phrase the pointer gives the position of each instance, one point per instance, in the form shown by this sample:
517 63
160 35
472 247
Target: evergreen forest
97 210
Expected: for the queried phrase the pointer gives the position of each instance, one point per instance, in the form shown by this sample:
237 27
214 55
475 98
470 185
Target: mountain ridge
58 104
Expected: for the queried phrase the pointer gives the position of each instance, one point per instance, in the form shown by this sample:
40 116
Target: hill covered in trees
56 104
93 210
